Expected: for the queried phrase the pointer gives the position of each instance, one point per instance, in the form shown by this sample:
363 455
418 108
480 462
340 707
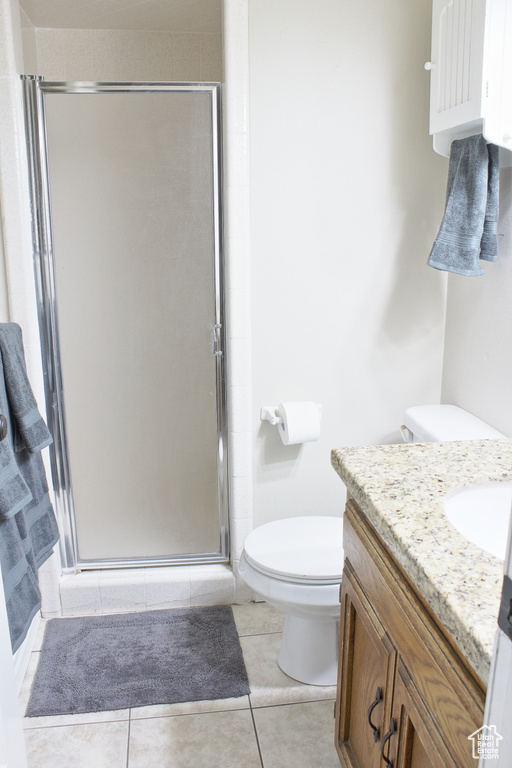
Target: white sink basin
481 513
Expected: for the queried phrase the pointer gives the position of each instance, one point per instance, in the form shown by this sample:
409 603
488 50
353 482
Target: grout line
251 711
256 734
72 724
188 714
291 703
128 739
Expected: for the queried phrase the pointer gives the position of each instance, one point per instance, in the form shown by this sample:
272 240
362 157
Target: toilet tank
434 423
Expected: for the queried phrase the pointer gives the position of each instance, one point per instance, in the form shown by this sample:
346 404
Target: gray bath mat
101 663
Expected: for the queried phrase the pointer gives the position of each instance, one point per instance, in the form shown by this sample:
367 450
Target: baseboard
22 655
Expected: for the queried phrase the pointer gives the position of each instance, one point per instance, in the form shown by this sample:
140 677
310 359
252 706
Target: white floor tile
297 735
102 745
269 685
224 739
257 619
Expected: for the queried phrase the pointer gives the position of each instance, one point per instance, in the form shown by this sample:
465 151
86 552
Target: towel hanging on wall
28 530
468 232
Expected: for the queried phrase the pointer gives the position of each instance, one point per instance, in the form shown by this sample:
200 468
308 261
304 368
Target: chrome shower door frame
34 91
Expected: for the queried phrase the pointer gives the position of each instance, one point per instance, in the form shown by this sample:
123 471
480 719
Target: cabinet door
457 62
365 679
411 739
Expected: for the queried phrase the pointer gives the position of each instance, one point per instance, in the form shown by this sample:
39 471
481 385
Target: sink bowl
481 513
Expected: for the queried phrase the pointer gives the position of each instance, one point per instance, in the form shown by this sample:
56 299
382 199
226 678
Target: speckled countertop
401 489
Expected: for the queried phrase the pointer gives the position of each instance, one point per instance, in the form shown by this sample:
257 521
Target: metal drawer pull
391 730
377 700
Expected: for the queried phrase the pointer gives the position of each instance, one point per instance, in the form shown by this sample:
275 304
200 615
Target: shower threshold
119 590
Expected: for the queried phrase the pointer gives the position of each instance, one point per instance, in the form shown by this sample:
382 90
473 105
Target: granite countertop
401 489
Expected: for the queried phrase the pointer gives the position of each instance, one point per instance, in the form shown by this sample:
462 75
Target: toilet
295 564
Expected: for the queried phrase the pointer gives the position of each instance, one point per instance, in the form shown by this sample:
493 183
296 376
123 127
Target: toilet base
309 650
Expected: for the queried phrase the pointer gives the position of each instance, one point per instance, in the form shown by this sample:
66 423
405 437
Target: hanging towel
14 492
468 229
489 242
30 430
27 534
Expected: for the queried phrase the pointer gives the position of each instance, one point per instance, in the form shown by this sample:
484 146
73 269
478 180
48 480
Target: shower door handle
216 340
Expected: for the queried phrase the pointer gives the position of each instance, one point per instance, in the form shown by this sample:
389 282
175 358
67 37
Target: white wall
346 196
478 354
28 37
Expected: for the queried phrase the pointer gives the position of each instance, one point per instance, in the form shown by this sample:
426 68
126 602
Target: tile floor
281 724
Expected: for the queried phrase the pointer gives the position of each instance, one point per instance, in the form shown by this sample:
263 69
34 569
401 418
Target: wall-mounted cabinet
471 72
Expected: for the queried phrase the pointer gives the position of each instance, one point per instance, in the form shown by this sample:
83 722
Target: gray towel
14 492
468 230
30 430
27 534
489 242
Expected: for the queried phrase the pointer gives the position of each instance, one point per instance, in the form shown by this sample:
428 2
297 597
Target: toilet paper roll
301 422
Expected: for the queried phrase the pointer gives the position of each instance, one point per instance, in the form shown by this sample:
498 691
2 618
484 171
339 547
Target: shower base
140 589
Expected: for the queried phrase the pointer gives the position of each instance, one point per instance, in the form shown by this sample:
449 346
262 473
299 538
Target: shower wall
93 54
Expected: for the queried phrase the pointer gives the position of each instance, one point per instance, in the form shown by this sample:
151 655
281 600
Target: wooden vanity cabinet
368 662
406 699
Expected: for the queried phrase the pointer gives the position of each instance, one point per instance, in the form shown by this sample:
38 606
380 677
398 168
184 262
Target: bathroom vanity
419 605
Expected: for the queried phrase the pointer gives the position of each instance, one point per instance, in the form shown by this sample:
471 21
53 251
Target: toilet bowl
295 565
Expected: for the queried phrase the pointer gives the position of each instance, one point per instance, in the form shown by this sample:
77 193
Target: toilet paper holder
296 423
269 413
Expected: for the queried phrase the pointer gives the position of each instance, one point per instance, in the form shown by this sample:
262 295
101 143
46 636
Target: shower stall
127 237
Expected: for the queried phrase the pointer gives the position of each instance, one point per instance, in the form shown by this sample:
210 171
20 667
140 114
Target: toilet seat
305 550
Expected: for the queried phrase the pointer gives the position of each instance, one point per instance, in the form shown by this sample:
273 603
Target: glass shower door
134 197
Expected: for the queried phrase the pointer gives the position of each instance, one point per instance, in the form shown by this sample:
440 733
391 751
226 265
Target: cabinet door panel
417 742
367 664
457 62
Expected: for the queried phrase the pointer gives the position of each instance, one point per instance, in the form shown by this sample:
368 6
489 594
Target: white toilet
296 564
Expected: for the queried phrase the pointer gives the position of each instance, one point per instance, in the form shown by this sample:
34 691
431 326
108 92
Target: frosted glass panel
132 208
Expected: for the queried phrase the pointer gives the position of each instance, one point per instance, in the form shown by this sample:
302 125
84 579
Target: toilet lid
308 549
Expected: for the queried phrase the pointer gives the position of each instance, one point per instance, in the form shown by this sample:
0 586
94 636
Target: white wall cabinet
471 72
